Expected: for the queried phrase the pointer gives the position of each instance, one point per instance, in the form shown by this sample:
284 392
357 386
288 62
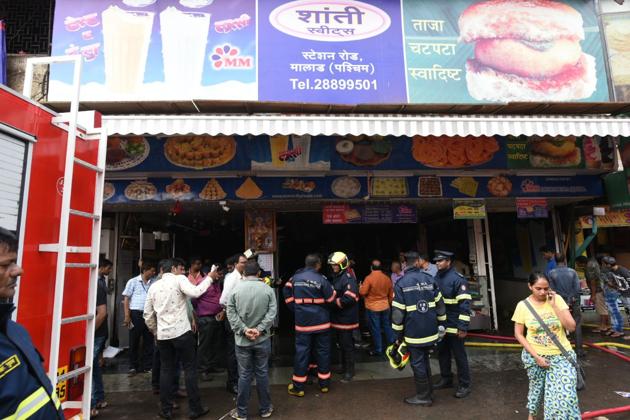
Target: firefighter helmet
398 355
338 258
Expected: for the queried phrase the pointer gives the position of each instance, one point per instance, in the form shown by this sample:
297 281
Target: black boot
423 394
462 391
443 383
348 374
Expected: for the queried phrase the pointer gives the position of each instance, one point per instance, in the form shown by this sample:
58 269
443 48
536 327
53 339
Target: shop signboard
336 214
336 51
289 153
156 50
347 187
260 230
532 208
469 209
613 218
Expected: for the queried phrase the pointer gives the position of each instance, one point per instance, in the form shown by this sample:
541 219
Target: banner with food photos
347 188
323 51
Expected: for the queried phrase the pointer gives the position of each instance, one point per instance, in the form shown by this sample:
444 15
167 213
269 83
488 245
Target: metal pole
495 319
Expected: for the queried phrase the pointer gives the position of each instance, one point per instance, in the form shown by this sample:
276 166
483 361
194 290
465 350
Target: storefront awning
398 125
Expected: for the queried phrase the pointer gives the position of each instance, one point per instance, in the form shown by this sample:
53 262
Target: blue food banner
332 51
157 49
3 54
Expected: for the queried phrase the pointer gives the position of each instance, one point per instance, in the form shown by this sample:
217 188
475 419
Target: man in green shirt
251 310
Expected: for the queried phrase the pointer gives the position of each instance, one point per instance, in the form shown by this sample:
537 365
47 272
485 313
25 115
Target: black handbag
581 377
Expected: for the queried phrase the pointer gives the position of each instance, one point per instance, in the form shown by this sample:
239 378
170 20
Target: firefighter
307 294
418 315
345 311
25 391
454 288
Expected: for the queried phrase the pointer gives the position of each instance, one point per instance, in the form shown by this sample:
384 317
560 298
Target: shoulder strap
551 335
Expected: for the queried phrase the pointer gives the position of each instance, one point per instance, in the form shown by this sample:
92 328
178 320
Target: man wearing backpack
617 287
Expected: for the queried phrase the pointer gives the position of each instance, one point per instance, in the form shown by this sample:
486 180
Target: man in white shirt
229 284
166 315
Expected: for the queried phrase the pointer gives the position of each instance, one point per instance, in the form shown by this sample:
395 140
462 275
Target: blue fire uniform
417 312
25 391
345 316
454 288
308 294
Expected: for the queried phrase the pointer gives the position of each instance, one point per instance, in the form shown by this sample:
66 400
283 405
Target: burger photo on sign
526 51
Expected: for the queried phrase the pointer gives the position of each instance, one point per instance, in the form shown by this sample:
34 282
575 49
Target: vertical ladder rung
73 373
85 214
88 165
77 318
80 265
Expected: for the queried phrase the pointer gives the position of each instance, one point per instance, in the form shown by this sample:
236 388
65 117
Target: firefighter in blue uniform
345 311
25 391
454 288
418 315
308 294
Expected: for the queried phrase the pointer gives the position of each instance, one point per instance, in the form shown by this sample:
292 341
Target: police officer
454 288
308 294
25 391
418 315
345 312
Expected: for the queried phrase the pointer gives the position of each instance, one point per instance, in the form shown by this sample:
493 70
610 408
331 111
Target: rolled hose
605 411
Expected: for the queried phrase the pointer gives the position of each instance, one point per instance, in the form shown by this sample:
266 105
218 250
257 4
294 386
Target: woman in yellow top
551 375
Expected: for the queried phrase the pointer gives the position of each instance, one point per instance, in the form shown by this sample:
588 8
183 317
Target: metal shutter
12 153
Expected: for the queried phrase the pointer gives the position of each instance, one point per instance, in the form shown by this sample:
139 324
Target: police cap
439 255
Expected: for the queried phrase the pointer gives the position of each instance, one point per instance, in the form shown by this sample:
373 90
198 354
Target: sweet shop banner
348 188
140 154
342 51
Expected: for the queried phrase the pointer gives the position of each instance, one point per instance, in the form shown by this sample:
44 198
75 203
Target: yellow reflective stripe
56 400
421 340
464 318
30 405
411 308
464 296
438 297
451 330
431 304
397 327
398 305
450 301
442 317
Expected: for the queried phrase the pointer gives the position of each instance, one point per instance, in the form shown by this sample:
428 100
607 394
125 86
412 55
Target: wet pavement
499 392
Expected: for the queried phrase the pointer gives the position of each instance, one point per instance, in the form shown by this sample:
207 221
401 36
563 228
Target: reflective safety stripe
438 297
398 305
307 301
300 379
442 317
345 326
56 400
464 318
338 302
312 328
431 304
323 375
451 330
332 297
397 327
411 308
289 299
422 340
463 297
312 366
31 404
352 295
450 301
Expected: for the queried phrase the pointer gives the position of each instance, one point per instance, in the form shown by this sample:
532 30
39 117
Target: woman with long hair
552 378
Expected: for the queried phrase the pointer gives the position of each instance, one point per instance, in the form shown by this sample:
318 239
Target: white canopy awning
397 125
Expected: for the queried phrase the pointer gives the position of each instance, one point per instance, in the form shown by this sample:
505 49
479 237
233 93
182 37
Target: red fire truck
51 195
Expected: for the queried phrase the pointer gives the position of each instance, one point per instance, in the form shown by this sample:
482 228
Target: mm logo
228 57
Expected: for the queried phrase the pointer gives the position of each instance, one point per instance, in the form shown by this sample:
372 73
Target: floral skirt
555 386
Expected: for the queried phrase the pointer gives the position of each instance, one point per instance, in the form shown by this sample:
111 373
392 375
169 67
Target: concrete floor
499 392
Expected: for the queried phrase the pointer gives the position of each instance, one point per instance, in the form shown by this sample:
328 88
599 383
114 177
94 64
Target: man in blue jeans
378 292
100 337
251 309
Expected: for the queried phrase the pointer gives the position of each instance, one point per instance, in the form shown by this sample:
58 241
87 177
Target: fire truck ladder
69 123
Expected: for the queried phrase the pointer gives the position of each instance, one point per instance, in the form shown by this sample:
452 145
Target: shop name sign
330 21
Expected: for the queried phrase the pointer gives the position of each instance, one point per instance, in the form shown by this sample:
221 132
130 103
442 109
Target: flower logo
222 54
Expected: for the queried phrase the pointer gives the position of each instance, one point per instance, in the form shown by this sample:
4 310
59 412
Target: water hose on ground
605 411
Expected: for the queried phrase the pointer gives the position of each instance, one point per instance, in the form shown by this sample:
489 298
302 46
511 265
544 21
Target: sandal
616 335
601 330
101 405
610 332
94 413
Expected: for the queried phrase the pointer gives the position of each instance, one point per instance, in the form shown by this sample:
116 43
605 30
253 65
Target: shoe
295 392
201 413
232 389
146 371
164 415
132 372
416 400
347 377
206 377
267 413
324 390
443 383
462 392
361 346
234 415
216 370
